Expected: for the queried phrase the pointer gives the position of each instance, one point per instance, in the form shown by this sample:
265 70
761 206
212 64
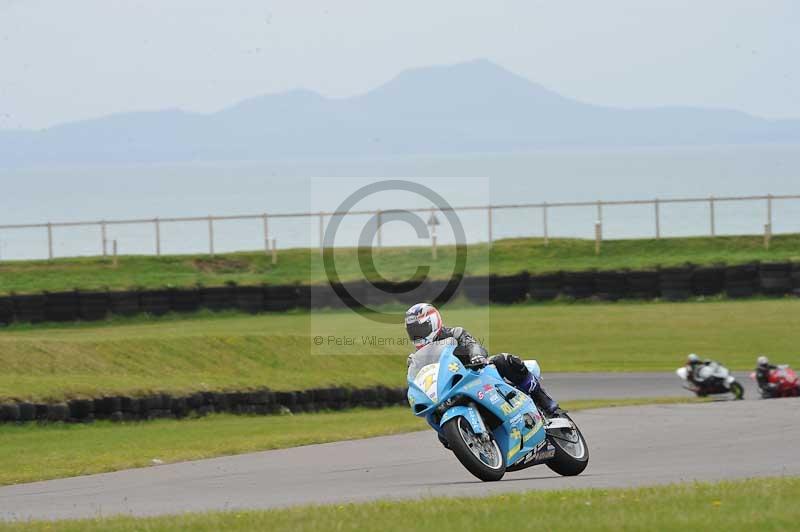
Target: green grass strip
304 266
236 351
753 504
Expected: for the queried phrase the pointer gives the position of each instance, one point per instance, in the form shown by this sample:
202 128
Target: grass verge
234 351
505 257
38 452
753 504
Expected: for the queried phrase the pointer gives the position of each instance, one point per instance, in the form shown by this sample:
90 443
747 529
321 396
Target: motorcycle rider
763 367
424 326
694 364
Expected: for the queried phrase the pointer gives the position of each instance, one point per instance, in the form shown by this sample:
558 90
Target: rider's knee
511 367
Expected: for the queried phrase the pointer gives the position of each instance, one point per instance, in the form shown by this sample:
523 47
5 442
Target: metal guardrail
321 215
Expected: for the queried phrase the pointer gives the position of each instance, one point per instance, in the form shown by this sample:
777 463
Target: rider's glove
477 359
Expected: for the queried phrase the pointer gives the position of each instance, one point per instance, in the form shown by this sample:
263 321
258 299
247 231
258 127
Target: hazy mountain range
465 108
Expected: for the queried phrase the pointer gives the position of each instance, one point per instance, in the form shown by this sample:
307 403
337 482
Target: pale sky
63 61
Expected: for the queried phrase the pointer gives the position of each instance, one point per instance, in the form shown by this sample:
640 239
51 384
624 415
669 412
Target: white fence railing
105 244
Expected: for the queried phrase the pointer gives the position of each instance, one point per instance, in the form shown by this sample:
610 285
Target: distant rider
424 326
763 368
694 365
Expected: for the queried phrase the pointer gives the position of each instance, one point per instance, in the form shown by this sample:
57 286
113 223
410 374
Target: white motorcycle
711 379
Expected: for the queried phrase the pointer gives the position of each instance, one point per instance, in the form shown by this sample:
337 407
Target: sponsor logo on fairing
530 456
476 420
540 453
513 405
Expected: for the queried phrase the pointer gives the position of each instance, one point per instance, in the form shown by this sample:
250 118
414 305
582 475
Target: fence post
712 217
114 249
491 229
379 223
432 222
767 235
274 252
49 240
657 205
157 224
266 233
544 224
600 211
321 230
211 235
103 237
769 212
598 236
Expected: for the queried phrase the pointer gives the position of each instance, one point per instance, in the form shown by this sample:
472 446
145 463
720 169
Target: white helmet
423 324
692 359
763 361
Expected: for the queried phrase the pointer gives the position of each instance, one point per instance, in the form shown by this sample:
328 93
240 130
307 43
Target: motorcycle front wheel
482 457
737 390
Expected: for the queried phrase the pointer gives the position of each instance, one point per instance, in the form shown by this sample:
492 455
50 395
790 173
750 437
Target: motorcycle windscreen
430 354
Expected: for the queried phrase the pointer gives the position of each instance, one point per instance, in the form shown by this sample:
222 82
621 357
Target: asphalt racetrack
572 386
629 446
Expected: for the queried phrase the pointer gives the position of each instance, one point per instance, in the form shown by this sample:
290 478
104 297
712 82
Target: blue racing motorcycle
489 425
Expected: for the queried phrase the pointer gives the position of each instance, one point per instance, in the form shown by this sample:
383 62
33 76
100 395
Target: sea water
64 194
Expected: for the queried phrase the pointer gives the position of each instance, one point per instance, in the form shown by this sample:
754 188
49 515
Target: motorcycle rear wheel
488 465
572 453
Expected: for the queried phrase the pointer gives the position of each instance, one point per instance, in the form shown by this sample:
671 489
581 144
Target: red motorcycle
782 382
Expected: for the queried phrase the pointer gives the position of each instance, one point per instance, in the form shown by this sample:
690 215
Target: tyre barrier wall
674 284
256 402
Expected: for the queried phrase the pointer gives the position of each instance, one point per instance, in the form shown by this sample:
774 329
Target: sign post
433 221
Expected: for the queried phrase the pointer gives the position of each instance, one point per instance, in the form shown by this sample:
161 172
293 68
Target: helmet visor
418 331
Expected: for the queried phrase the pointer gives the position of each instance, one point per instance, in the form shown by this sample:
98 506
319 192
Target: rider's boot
533 387
514 370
